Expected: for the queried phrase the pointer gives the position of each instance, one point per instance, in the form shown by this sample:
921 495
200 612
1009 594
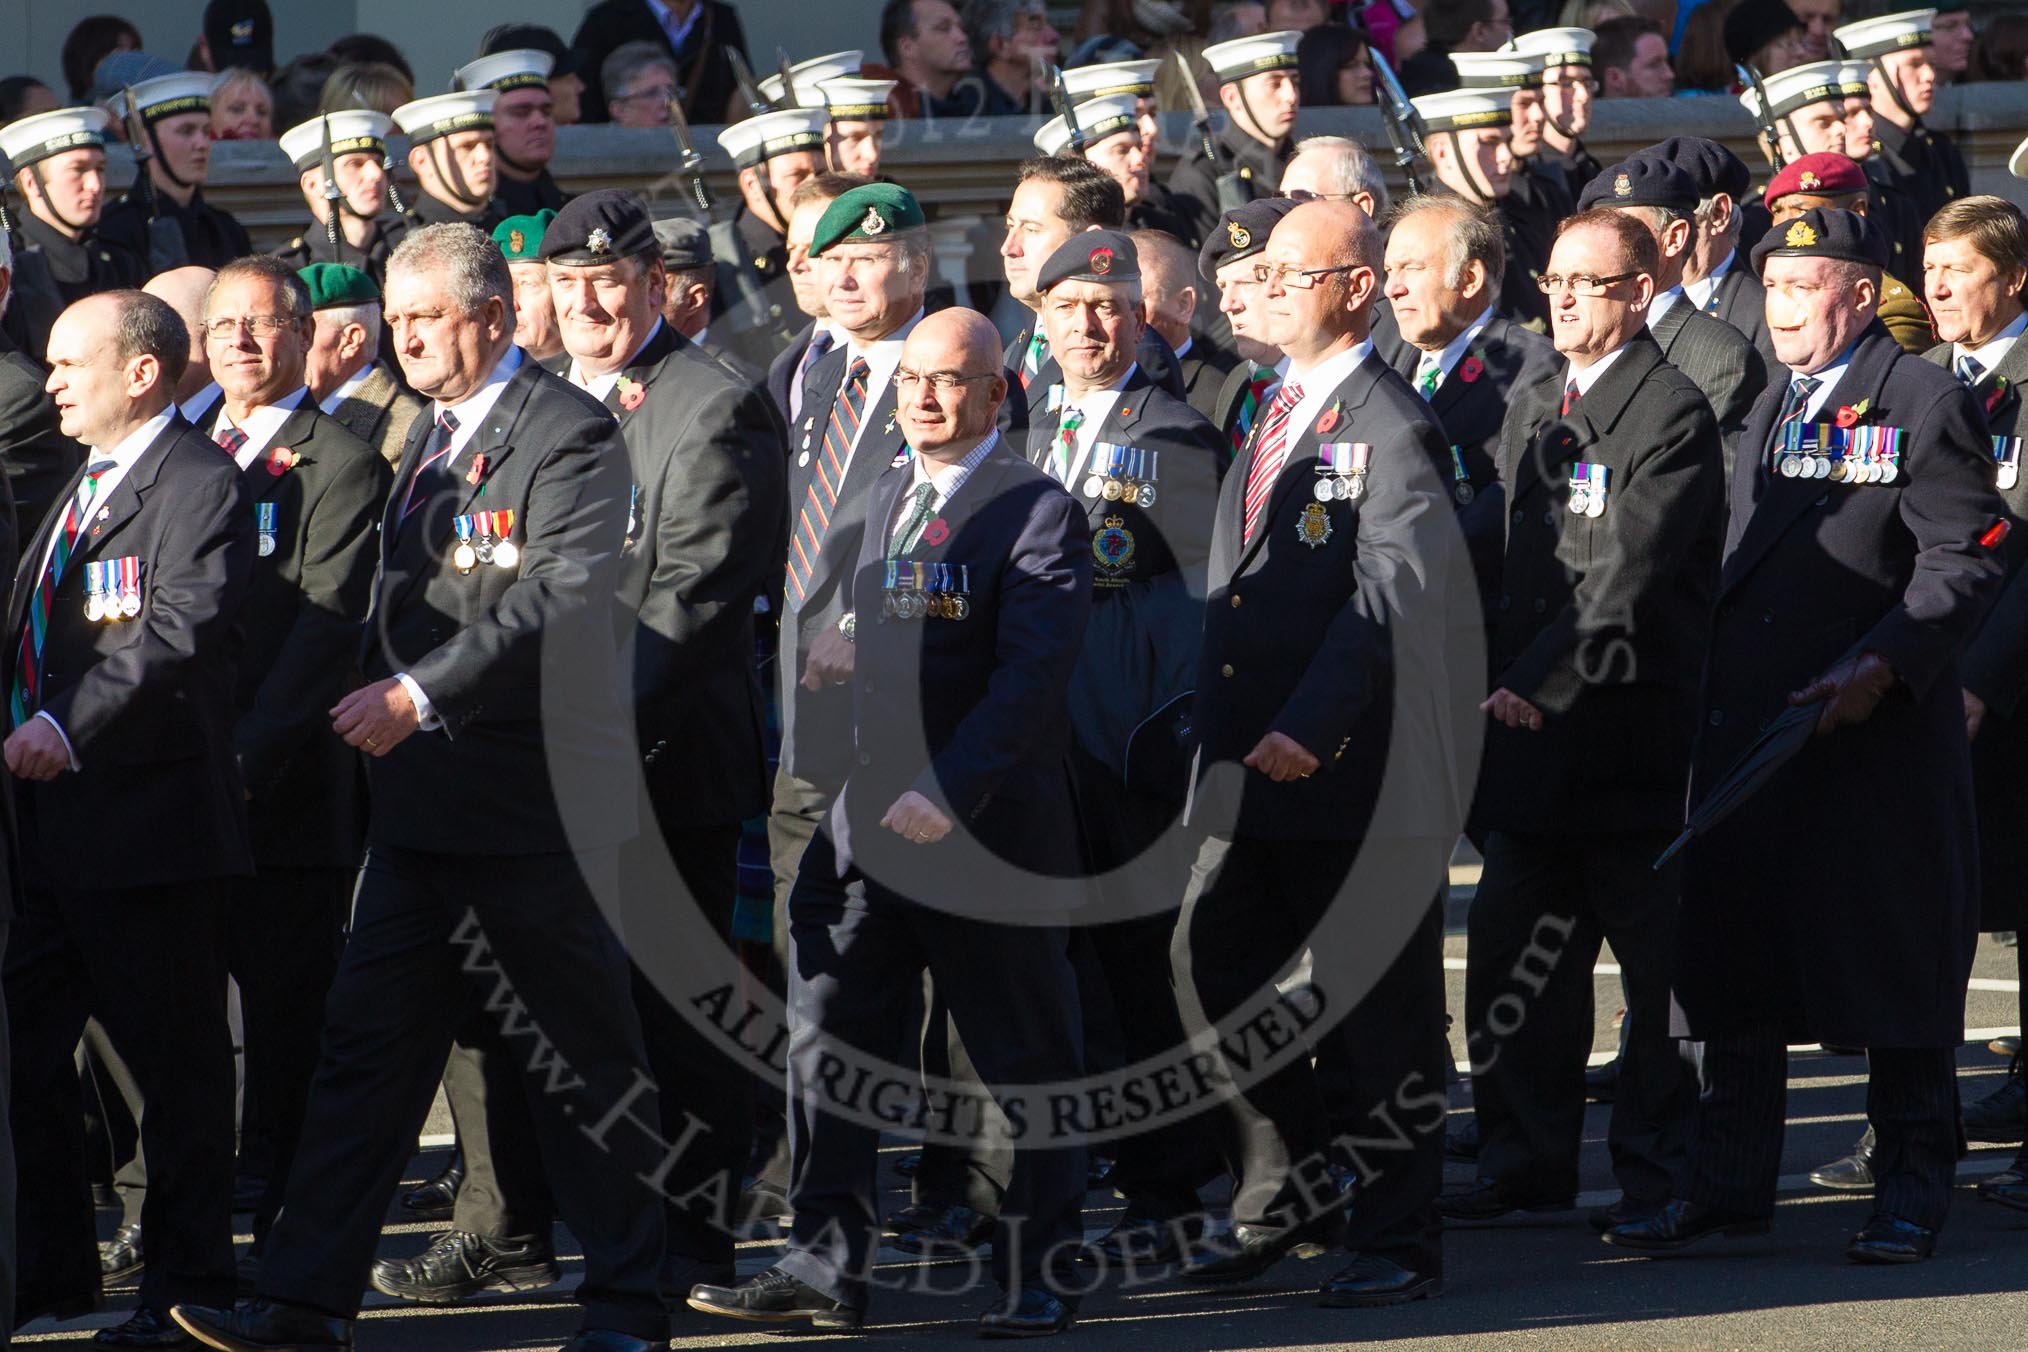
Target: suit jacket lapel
260 482
645 366
1349 396
1665 329
106 516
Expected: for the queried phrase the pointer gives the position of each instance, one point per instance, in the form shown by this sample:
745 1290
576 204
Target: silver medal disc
95 607
463 557
1147 500
803 460
1579 501
506 554
1596 507
267 545
130 604
1889 471
1465 493
1325 490
1092 485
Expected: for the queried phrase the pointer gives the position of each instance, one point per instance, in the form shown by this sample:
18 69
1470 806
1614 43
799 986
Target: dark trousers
6 1165
1911 1101
504 1196
1544 906
150 964
432 933
853 946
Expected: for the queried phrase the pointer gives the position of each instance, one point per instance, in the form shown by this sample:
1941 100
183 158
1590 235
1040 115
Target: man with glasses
1257 86
451 155
365 231
640 83
1616 512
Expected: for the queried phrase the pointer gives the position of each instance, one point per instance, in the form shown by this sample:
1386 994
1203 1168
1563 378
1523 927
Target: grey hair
630 59
994 19
366 315
270 268
147 324
1708 205
1474 234
1659 219
1352 168
472 268
915 252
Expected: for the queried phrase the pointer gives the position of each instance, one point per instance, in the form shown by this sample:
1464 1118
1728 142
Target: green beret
520 237
873 211
336 284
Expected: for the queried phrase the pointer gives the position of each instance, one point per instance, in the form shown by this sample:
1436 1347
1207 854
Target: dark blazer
146 703
1924 164
1741 301
519 663
51 271
380 413
1601 622
1529 229
755 259
705 537
37 457
1203 371
1141 650
299 632
782 371
1858 936
1317 642
1194 180
1720 362
209 238
1996 670
702 69
970 713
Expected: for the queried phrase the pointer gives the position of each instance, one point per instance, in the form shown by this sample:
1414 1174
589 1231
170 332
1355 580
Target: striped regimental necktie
813 519
1270 453
26 696
434 472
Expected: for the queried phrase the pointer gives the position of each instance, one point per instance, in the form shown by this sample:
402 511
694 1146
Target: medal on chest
1587 489
1341 471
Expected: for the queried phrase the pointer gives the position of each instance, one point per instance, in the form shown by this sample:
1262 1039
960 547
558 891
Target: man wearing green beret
345 374
535 331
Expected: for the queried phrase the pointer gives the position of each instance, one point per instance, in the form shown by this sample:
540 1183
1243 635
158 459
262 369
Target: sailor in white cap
1106 131
1568 88
1534 203
1154 206
1257 86
451 155
1465 136
1922 162
859 111
58 161
1859 140
774 153
524 127
365 231
164 217
806 79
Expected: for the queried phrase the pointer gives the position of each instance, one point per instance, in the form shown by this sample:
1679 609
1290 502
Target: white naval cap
170 95
807 75
1798 87
30 139
1497 70
1852 75
1556 46
445 114
520 68
778 133
1235 60
854 100
1465 109
352 130
2017 163
1888 33
1113 77
1096 120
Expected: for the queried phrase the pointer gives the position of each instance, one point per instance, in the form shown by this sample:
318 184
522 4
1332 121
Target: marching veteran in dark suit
1719 360
1226 262
1615 516
1330 667
499 780
132 817
1144 466
950 844
317 493
1858 587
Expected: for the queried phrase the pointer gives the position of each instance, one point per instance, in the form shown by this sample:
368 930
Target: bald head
1328 310
960 348
183 289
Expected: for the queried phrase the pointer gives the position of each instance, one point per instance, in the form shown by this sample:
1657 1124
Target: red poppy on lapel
632 392
1328 421
936 532
1850 414
1470 369
478 470
1997 393
281 460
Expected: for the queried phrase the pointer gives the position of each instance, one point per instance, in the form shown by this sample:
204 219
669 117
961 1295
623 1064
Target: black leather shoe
952 1230
434 1200
1623 1212
2003 1114
1602 1083
679 1273
33 1305
1246 1251
1680 1224
1463 1143
121 1256
458 1265
774 1297
1890 1239
144 1328
1035 1312
1370 1279
264 1326
1143 1241
1485 1199
914 1216
611 1340
2009 1188
1854 1173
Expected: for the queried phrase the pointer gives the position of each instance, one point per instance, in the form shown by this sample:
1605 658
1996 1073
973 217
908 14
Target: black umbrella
1777 742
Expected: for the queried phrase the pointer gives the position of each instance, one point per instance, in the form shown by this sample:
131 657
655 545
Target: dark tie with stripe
1970 371
1570 397
434 474
813 519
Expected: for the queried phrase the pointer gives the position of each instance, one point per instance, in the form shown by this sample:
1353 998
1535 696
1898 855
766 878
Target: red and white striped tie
1270 453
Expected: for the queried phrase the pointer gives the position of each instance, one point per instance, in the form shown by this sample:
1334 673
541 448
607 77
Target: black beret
602 226
1094 256
1753 24
1712 167
684 243
1640 183
1824 232
1241 233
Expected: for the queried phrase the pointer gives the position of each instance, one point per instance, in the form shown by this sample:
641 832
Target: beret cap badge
1238 234
1810 182
1800 236
517 241
1623 186
873 223
598 241
1101 261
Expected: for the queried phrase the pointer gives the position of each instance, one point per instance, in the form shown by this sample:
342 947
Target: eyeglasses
1302 279
661 92
1580 283
940 382
1305 195
260 326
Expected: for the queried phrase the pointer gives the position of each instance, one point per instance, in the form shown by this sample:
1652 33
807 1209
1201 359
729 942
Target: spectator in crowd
1631 57
1454 26
1335 69
1950 41
2002 50
566 82
925 47
242 109
1143 23
1296 16
1591 13
298 87
88 43
694 34
238 33
24 96
639 80
1818 18
1015 46
1702 66
1766 35
1396 29
118 72
373 85
371 48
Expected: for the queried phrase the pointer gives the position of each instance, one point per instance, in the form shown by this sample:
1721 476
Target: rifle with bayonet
746 304
1403 123
166 246
1233 191
789 99
756 102
1059 98
1764 114
334 198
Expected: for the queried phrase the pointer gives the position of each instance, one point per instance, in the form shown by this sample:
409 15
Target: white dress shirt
346 388
947 478
201 405
1829 376
1590 375
1659 306
1700 290
598 387
261 426
1996 350
1096 406
1453 352
1319 385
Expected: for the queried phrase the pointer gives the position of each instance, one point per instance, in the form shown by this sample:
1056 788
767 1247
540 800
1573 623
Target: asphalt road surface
1523 1282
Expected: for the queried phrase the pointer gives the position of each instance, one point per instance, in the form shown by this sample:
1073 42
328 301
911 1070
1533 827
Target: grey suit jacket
1741 301
1720 362
379 413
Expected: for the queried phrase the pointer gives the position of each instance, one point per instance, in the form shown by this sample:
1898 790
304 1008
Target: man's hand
376 718
1281 758
914 817
35 751
1975 716
1851 691
830 661
1512 710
